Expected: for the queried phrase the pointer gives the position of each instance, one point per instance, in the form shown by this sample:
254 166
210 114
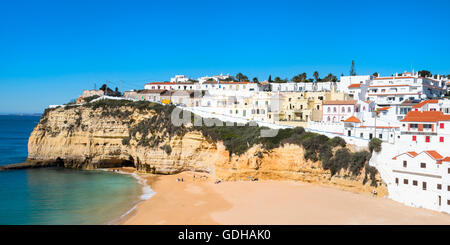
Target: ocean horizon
52 196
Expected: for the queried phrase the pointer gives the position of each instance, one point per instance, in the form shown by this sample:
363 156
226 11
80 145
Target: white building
346 81
179 79
424 129
302 87
421 180
172 86
392 91
339 110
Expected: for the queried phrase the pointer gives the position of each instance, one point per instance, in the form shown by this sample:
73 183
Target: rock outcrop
92 137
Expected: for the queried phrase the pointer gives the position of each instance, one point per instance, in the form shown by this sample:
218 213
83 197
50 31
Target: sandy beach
199 200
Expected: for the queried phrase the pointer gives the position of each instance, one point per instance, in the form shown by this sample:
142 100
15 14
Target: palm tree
316 75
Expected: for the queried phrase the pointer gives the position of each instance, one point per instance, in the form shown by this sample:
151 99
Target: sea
57 196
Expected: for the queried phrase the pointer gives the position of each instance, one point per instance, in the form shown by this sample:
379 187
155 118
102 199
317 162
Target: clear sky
51 50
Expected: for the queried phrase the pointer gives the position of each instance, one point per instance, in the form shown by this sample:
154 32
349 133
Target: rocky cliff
112 134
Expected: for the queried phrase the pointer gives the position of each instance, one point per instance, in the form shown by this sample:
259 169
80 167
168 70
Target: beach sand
199 200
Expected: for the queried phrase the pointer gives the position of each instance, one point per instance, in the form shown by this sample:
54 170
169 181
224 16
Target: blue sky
51 50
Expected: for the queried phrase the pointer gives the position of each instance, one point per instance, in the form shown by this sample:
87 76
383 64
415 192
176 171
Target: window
380 136
405 181
424 185
427 139
414 138
343 109
423 165
441 125
415 182
441 139
405 164
448 188
439 186
448 202
427 126
329 109
361 135
449 170
396 181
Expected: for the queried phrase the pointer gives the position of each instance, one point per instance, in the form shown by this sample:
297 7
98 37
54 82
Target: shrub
342 158
375 145
90 98
167 149
371 171
298 130
337 141
358 160
126 141
311 155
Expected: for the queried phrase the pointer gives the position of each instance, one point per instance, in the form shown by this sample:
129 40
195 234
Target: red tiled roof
425 116
352 119
426 102
339 102
410 153
447 159
393 85
356 85
394 94
387 127
384 108
435 155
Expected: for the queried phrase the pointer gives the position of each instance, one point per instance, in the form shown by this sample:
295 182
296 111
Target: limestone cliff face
89 138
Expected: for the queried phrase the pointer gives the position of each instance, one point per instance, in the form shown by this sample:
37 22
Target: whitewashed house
421 180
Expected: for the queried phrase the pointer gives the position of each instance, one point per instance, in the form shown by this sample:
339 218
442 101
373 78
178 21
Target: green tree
375 74
425 73
279 80
255 80
375 145
299 78
241 77
352 70
330 78
270 78
316 75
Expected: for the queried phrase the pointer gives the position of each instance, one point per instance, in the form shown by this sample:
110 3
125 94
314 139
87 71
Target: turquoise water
55 195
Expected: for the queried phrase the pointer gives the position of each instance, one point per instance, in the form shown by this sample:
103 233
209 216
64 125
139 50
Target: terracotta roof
425 116
426 102
170 83
216 82
394 94
410 153
387 127
393 85
352 119
355 85
384 108
435 155
339 102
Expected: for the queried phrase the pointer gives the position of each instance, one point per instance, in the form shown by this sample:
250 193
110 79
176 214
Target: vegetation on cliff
156 130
